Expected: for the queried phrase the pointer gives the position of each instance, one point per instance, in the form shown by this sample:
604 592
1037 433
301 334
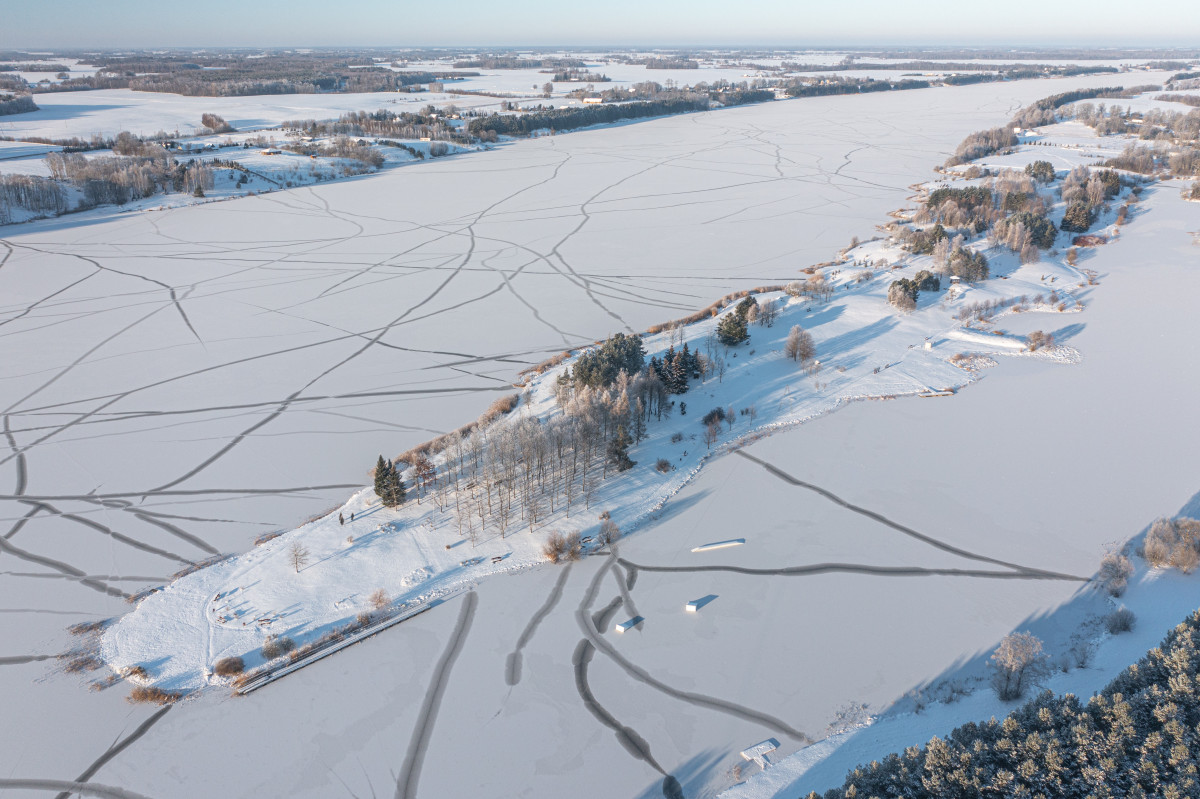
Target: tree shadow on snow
1069 332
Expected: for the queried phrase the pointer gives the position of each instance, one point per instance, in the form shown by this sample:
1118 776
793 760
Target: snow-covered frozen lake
177 383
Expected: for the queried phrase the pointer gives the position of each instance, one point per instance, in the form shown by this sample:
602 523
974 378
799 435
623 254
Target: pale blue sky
169 23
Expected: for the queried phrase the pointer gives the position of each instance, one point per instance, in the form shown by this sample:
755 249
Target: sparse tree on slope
799 345
297 556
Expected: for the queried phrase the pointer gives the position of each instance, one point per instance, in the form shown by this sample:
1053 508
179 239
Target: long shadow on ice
694 776
1068 332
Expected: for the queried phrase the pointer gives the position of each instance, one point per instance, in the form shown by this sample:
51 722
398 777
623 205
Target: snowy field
182 381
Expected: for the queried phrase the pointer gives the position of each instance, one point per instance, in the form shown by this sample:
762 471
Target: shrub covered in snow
1174 542
227 667
1115 571
1120 621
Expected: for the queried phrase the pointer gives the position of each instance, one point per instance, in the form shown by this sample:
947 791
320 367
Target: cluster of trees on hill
559 119
676 369
1044 111
903 293
1009 206
31 193
1085 192
117 180
340 147
1139 737
215 123
600 366
16 104
981 143
733 328
428 123
101 181
720 91
521 471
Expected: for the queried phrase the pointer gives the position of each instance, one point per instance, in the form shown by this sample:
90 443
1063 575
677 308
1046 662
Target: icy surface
178 382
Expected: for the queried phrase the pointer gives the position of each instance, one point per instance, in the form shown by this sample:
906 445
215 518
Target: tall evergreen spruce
732 329
389 486
383 467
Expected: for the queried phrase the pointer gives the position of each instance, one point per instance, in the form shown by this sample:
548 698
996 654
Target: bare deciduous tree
297 556
609 532
799 345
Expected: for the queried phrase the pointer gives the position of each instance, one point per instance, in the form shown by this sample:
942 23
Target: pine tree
389 486
618 450
732 330
679 373
691 363
382 468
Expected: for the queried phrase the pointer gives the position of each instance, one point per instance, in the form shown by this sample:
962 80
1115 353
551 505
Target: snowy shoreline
868 350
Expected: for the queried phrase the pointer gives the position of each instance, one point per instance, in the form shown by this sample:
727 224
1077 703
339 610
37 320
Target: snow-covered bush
1115 570
1018 663
1038 340
227 667
1120 621
559 547
1174 542
275 646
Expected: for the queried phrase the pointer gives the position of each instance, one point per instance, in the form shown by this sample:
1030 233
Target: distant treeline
994 71
831 86
16 104
1187 99
575 76
571 118
230 75
34 68
241 83
1063 54
671 63
512 62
